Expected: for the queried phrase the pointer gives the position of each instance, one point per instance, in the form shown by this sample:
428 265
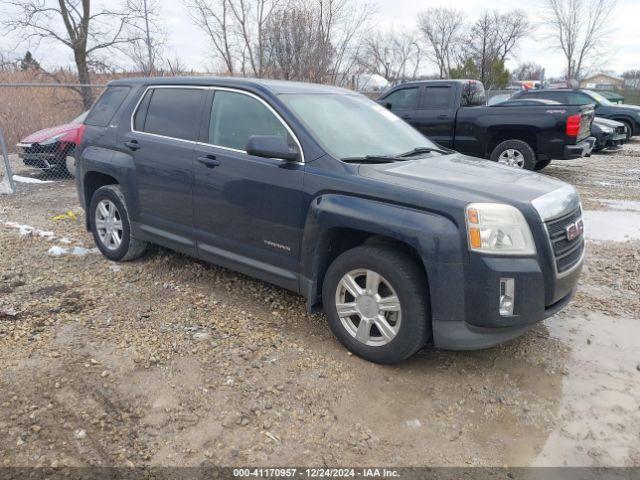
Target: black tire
406 277
524 149
542 164
129 248
630 131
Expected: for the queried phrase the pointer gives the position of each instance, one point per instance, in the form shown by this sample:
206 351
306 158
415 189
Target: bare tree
214 18
491 40
73 24
529 71
148 36
578 28
442 29
393 55
315 40
632 78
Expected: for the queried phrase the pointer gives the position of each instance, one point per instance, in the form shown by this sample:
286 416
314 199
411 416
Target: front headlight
52 140
499 229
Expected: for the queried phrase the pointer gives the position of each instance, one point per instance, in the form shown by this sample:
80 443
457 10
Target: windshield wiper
421 150
371 159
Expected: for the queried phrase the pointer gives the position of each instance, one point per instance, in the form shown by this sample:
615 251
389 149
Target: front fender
436 238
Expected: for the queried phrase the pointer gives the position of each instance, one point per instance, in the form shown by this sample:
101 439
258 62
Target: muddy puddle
599 416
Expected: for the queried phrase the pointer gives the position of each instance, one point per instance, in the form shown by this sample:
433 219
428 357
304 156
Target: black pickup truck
454 114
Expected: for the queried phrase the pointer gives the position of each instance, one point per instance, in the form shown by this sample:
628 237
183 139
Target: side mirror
271 146
388 105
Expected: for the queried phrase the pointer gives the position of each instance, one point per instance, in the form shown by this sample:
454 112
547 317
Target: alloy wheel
512 158
109 224
368 307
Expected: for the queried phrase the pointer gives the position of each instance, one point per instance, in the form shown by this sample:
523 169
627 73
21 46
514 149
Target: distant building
602 81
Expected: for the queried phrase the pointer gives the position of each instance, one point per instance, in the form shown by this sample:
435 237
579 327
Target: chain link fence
41 124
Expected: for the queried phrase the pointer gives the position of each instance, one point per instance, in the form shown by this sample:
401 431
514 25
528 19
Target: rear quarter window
106 107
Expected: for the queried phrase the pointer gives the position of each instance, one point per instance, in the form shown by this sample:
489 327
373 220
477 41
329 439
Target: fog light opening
507 301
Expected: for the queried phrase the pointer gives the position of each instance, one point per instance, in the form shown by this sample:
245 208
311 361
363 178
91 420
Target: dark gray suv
323 192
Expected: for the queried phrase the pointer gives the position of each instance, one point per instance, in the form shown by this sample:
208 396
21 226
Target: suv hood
464 178
47 133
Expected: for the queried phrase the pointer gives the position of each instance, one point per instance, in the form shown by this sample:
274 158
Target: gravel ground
170 361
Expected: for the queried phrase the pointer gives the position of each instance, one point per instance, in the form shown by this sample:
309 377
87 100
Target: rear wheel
542 164
111 227
514 153
376 302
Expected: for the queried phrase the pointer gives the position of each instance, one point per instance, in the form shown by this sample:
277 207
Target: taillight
79 134
573 125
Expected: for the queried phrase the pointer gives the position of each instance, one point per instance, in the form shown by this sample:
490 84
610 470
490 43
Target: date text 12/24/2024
315 473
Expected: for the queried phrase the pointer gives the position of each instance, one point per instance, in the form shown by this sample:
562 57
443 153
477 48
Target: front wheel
377 304
514 153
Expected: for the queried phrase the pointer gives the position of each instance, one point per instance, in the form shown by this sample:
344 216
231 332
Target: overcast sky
623 51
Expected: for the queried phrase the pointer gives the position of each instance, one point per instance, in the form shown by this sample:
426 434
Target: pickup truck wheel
376 301
111 227
542 164
514 153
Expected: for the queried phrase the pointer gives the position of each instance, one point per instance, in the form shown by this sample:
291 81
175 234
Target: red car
52 149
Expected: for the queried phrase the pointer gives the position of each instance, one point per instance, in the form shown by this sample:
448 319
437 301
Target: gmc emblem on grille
574 230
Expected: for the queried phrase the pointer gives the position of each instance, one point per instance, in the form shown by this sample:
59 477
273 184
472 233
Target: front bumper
44 157
579 150
465 336
476 321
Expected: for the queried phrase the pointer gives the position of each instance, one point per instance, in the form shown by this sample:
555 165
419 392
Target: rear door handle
132 145
209 161
443 117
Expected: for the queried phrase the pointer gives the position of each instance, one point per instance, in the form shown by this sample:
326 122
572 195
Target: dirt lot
169 361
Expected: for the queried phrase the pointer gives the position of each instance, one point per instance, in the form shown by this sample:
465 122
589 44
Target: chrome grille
567 253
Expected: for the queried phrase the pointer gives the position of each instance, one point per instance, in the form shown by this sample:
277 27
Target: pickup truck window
235 117
403 99
171 112
473 94
437 97
349 126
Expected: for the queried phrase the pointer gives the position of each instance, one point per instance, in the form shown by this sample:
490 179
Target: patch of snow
57 251
21 179
81 251
28 230
415 423
611 226
625 205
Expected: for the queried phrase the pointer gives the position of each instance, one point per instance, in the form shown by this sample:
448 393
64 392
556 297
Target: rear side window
578 98
473 94
405 98
560 97
235 117
172 112
106 106
437 97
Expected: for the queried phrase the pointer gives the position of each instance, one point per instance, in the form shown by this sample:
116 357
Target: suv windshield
352 126
598 98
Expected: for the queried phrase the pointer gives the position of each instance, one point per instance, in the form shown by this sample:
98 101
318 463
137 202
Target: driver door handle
209 161
132 145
